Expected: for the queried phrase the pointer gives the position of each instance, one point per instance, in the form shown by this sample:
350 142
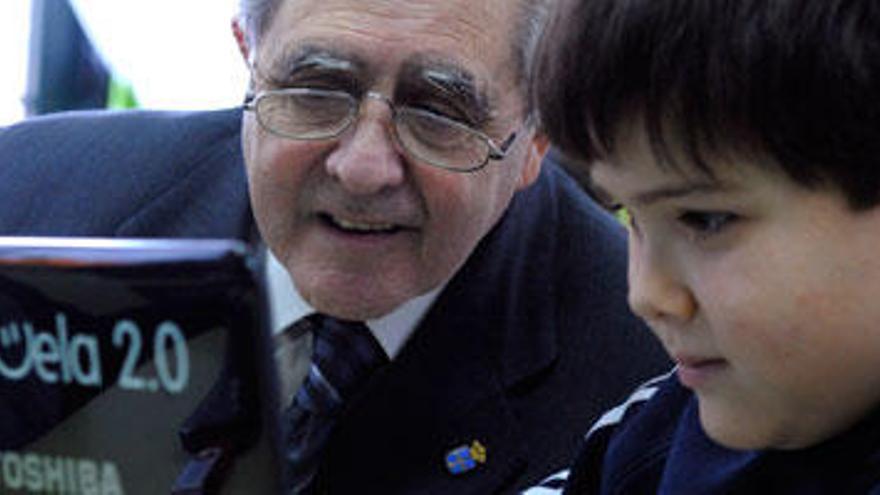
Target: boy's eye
707 222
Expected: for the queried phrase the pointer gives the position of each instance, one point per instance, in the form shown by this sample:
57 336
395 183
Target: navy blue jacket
529 341
654 444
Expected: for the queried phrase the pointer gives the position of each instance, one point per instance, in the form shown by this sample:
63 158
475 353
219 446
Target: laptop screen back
134 367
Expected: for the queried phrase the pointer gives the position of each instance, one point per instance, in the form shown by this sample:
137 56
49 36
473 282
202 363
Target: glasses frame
494 151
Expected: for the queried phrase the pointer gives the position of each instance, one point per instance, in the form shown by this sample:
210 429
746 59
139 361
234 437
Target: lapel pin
465 458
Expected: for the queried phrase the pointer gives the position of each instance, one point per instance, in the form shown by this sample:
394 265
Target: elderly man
392 166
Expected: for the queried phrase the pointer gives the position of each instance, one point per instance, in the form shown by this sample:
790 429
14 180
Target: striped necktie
344 356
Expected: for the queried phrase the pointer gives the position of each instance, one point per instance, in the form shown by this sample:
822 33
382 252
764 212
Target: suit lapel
209 200
451 384
441 393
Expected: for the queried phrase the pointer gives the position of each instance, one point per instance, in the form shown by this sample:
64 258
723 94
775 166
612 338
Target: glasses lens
440 141
305 113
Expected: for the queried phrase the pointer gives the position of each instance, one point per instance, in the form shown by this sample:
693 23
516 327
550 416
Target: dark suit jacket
528 343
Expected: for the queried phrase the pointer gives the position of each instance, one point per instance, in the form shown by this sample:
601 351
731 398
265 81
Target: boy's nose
366 160
656 294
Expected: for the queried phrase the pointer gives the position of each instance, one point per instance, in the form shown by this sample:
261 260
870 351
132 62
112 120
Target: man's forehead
471 36
478 16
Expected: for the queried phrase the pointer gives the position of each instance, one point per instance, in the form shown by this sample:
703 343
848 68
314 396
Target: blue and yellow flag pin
465 458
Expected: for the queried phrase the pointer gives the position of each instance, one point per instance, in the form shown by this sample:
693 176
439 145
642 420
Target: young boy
743 139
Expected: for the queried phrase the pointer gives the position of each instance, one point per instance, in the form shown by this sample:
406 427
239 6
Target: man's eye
325 82
444 110
336 86
706 223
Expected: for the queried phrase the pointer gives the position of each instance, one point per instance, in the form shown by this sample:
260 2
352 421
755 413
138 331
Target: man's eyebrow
309 56
449 80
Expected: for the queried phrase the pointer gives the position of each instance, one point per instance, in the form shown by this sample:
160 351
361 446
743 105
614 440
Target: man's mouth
360 227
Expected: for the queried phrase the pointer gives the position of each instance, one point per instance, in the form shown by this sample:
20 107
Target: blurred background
73 54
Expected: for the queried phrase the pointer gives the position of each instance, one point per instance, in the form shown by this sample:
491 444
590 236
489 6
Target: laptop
137 367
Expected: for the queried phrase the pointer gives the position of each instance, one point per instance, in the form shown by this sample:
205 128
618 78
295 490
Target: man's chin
354 291
347 312
350 305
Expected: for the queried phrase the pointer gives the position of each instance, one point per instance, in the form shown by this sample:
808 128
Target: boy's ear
240 39
537 148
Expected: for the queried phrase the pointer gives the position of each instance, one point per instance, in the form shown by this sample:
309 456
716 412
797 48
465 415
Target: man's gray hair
534 15
256 16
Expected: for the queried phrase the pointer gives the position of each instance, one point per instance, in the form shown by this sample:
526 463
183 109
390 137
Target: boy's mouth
695 372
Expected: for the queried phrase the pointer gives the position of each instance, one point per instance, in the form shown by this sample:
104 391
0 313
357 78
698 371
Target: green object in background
120 94
622 215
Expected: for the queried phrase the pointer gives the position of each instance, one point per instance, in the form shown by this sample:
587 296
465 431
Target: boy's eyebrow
666 192
674 191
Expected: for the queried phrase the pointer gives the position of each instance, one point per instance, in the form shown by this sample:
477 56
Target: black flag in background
66 72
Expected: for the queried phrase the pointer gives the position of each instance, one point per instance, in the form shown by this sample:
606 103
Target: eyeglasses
315 114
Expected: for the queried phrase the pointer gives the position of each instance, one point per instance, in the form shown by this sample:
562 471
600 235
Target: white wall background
15 18
178 54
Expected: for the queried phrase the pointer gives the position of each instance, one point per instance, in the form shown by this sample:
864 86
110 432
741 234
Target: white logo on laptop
74 358
37 473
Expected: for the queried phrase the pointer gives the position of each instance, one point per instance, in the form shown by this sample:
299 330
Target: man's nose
367 160
656 291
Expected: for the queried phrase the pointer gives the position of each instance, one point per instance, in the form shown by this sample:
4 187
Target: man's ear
537 148
241 39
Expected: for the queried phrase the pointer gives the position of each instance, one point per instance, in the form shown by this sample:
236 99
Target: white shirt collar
392 330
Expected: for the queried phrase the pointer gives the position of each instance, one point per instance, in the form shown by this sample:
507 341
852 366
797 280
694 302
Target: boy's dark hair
798 80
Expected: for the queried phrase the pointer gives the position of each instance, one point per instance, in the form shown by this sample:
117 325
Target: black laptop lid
134 367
